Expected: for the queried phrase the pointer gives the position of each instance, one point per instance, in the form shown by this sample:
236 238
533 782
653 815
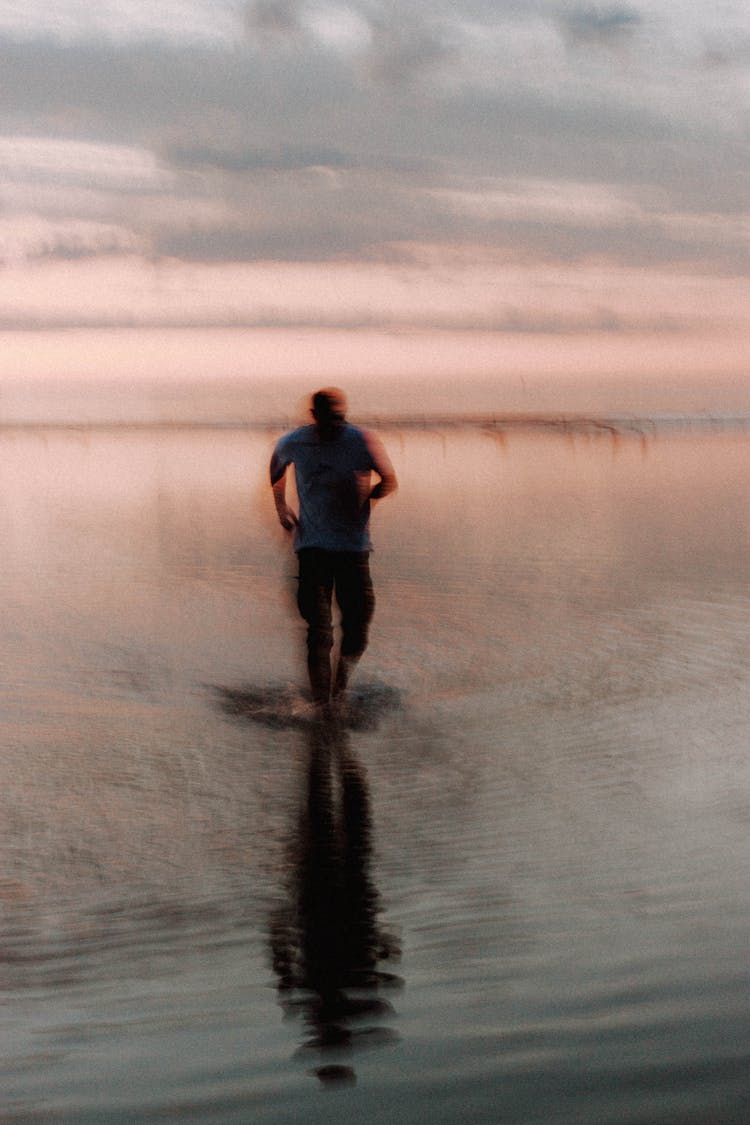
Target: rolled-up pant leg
316 579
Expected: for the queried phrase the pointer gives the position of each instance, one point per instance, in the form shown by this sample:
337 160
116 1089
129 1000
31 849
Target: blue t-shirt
333 486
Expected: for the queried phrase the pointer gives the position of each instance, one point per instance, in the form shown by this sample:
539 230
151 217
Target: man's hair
329 402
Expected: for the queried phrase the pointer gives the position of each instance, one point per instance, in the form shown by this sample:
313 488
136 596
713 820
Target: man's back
332 476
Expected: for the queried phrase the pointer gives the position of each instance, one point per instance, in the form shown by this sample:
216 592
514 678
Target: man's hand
287 518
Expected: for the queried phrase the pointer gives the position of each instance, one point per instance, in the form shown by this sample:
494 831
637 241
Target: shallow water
533 834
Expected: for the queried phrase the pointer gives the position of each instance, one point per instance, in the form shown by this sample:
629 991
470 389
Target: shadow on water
326 940
284 707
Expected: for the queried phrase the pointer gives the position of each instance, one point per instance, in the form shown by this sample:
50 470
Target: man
333 462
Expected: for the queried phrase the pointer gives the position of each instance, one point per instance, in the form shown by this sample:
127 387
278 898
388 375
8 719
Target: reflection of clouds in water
326 940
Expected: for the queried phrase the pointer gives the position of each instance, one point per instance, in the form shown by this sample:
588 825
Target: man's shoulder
303 435
354 434
366 439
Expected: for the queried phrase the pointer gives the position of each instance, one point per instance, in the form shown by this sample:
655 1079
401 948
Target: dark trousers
321 573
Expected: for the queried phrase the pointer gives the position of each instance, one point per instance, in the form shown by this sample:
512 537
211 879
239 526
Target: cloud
308 131
179 22
602 26
533 121
72 162
200 203
338 28
450 291
281 243
724 53
276 16
405 49
28 238
283 158
150 91
572 203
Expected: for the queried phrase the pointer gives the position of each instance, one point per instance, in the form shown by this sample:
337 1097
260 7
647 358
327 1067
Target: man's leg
356 599
314 601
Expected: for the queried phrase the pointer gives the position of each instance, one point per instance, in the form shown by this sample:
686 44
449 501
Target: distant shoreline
560 423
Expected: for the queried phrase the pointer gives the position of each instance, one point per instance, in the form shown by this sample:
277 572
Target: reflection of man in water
327 941
333 462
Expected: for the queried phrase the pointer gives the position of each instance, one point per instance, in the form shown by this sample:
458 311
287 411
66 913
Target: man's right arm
287 518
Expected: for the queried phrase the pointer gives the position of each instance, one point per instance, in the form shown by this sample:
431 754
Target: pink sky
446 313
299 192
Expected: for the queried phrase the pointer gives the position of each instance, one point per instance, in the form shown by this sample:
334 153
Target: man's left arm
381 463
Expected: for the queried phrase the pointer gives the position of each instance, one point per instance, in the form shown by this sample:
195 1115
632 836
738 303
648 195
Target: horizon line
612 422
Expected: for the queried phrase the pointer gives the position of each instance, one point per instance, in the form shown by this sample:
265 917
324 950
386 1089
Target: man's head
329 409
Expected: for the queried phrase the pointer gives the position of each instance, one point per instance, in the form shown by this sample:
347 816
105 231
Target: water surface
540 813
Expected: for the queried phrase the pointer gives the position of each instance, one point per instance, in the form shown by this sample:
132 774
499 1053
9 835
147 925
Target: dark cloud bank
316 153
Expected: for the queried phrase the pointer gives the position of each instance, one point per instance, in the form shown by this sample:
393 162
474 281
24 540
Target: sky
271 189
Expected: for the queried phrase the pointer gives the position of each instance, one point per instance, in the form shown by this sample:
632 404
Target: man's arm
287 518
383 467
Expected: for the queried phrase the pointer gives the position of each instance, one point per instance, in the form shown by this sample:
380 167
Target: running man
333 462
